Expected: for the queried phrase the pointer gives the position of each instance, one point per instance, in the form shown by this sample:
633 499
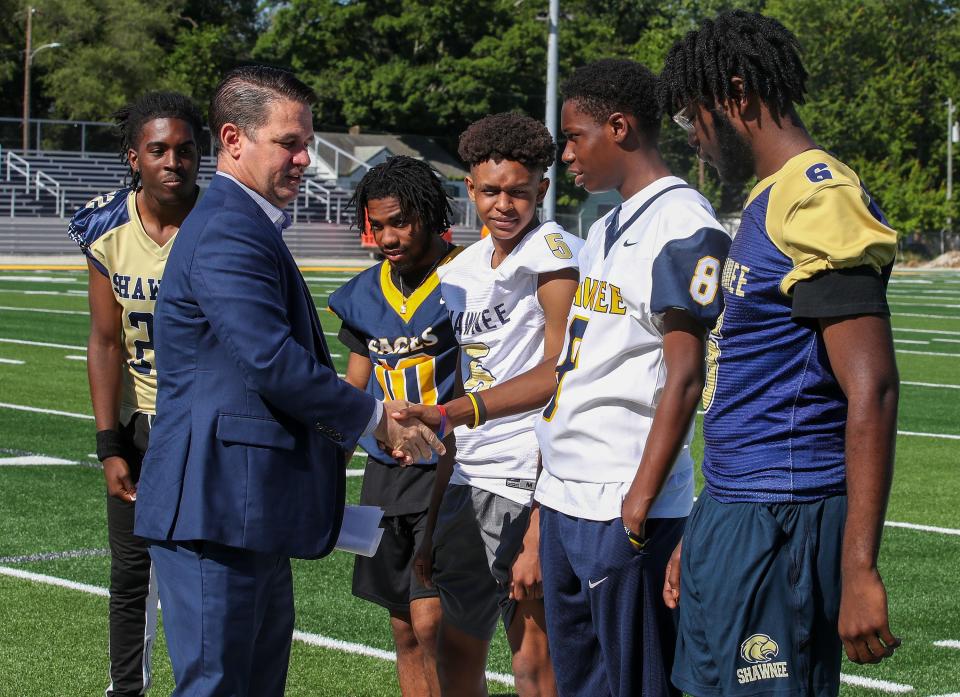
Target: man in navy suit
245 466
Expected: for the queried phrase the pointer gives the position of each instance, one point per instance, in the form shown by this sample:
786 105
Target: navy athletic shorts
760 599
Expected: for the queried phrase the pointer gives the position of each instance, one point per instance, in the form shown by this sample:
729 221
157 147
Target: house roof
364 146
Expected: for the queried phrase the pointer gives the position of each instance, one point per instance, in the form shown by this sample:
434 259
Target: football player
126 236
617 481
401 347
779 559
508 296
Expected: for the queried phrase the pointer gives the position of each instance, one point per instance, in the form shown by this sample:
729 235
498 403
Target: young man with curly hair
779 559
617 480
508 296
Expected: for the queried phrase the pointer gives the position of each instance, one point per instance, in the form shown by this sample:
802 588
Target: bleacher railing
17 164
47 183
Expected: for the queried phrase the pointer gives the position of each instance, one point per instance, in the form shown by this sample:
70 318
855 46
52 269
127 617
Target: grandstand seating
30 221
82 176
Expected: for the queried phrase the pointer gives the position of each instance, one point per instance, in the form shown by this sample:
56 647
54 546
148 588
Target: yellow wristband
476 409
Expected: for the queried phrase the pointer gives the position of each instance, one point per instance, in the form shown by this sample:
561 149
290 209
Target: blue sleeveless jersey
411 344
775 416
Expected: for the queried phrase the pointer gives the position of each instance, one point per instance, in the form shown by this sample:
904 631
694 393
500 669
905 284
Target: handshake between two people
409 432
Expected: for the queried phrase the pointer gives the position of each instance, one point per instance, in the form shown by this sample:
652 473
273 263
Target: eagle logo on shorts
759 648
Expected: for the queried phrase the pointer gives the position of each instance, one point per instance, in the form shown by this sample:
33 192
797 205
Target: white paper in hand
360 531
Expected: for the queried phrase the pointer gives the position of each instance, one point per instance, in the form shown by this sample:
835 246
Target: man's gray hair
245 94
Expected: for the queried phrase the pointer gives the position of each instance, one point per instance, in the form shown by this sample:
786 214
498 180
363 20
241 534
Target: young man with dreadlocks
126 236
401 347
508 296
779 559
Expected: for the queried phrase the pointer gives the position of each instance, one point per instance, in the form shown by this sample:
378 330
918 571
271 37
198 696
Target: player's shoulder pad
98 216
686 274
547 248
820 216
807 175
356 291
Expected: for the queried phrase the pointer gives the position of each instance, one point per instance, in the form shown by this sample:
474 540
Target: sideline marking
917 314
42 267
948 644
922 528
55 412
306 637
929 353
23 460
947 436
926 331
24 342
874 684
44 310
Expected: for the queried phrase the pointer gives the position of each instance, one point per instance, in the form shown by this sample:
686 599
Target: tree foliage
880 70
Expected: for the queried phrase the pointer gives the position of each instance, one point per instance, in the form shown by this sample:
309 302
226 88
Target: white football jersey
669 254
499 323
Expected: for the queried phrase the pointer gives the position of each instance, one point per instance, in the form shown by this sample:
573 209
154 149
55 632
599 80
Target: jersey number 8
706 280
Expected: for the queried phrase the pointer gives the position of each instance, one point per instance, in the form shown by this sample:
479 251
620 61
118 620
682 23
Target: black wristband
110 443
481 408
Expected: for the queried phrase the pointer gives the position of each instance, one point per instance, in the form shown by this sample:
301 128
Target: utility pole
553 20
952 137
27 59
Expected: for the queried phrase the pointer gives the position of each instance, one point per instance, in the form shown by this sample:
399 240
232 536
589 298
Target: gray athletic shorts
476 539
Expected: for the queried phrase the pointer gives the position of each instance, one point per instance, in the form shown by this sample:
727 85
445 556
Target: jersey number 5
558 246
578 326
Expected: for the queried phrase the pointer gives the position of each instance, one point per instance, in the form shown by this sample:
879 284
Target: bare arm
861 354
533 388
683 347
105 374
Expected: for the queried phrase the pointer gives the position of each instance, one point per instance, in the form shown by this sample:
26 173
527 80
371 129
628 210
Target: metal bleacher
40 189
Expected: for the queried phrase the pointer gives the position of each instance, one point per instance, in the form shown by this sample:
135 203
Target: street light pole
950 135
550 202
27 59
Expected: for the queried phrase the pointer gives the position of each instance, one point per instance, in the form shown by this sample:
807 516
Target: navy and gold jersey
110 233
774 428
411 345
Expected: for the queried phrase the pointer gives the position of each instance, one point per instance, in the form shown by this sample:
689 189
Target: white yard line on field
929 384
874 684
305 637
24 460
37 410
926 331
11 361
75 358
41 279
24 342
916 314
928 353
911 341
948 644
55 556
922 528
920 434
43 310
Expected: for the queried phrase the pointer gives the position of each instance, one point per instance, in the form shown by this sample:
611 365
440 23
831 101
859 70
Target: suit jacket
252 420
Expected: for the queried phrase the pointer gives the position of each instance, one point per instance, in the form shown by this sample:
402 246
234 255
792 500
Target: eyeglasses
684 119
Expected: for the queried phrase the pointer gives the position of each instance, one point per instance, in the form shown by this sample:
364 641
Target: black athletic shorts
387 578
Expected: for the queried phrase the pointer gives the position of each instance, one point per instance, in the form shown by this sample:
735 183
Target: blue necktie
612 232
